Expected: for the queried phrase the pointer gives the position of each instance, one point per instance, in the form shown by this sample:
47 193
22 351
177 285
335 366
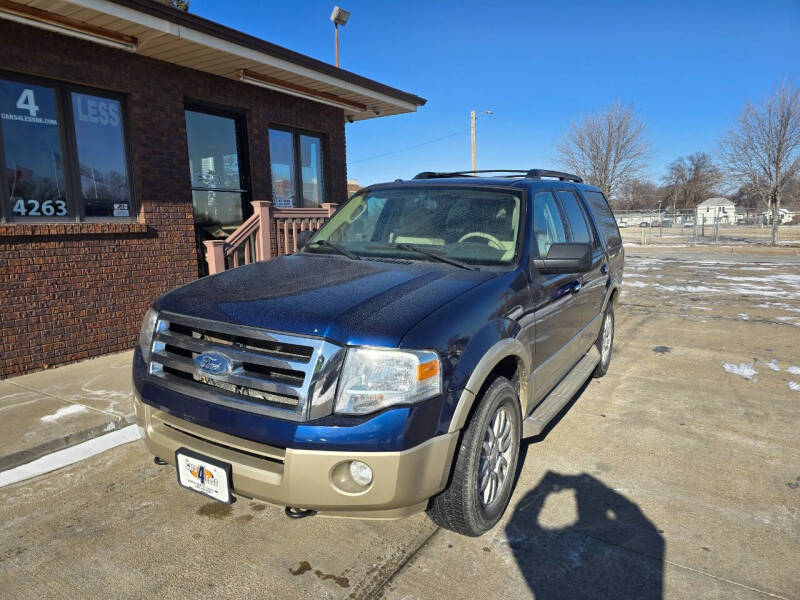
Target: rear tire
485 465
605 342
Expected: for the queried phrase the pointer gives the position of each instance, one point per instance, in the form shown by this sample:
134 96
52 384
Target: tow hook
298 513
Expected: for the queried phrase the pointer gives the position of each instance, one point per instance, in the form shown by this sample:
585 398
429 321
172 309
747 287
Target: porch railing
268 233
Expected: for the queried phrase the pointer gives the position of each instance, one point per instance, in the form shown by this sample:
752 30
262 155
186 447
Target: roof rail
529 174
539 173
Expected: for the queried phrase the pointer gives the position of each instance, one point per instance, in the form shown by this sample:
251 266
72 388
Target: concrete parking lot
677 475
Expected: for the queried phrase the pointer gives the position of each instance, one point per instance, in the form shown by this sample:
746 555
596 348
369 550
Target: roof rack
529 174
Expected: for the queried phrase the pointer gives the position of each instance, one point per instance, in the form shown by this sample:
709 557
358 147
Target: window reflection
32 150
311 158
293 186
101 156
281 154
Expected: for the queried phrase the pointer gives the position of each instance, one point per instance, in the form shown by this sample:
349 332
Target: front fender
480 357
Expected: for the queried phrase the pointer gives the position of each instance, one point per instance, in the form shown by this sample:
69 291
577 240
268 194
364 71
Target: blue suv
398 360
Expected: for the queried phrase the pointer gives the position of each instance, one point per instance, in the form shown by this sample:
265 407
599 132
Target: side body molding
502 349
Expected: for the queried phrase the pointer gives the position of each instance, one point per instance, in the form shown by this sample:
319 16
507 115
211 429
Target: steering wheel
493 241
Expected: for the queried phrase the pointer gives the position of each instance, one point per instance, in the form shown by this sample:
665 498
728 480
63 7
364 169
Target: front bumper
402 484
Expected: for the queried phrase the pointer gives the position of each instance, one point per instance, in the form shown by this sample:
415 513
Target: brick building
130 132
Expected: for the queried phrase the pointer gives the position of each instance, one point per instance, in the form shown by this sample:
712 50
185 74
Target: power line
444 137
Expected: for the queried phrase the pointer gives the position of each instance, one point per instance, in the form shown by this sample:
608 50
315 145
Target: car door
589 295
555 310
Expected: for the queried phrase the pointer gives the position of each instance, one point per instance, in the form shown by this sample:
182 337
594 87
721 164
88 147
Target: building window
296 165
64 153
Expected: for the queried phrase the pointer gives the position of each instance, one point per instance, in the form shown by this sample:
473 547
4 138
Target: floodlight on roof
340 16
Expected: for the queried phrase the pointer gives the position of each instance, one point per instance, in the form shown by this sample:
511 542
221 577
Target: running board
561 394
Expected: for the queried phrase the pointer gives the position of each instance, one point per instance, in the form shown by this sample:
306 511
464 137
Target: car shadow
574 537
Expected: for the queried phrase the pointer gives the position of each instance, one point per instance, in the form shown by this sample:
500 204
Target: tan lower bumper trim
403 481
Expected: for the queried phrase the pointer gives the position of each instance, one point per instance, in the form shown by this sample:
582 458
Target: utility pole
473 120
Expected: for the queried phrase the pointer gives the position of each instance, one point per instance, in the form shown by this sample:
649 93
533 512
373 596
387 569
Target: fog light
360 473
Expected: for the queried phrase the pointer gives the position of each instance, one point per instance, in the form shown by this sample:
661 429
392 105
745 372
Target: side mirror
565 258
303 237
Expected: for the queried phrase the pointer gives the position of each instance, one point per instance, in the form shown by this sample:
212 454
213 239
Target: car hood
349 301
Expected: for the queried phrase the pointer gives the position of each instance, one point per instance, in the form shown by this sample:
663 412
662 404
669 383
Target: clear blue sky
687 66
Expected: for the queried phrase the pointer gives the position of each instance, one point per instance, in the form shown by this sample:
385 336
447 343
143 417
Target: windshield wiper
340 249
439 257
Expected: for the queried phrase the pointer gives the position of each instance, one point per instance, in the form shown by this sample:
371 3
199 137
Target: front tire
485 465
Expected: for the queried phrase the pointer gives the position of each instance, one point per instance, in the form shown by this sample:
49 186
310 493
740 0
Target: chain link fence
702 226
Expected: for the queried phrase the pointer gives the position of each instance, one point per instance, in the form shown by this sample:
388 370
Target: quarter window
63 151
604 218
548 228
296 166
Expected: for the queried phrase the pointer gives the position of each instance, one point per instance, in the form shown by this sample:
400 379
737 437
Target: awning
164 33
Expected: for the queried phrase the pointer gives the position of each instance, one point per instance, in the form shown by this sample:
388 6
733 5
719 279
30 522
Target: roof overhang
164 33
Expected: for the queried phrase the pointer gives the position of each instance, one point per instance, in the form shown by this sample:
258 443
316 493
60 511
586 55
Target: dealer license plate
204 475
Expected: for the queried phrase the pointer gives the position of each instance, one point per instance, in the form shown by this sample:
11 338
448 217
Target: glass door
218 179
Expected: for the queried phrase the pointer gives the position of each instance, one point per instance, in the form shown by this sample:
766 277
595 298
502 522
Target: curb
10 461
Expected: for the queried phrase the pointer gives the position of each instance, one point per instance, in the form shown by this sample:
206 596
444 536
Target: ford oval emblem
213 363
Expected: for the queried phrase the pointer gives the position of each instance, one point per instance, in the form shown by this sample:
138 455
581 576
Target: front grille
269 373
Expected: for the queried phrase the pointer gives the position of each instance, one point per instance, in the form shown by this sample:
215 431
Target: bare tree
637 194
606 149
691 179
762 149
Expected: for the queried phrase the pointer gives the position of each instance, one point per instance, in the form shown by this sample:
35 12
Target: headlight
374 378
146 333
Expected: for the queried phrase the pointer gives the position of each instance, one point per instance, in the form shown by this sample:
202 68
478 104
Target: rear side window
604 218
548 229
577 221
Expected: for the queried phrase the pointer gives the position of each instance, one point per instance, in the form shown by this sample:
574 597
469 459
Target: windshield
473 226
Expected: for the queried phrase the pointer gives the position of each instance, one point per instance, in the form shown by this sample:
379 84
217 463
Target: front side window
296 166
548 228
64 153
474 226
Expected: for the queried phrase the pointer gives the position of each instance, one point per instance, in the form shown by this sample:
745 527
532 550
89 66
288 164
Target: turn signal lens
427 369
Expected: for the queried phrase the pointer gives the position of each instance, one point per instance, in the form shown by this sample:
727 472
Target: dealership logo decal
200 473
213 363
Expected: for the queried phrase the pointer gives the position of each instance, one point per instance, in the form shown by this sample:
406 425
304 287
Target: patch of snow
67 411
634 275
68 456
694 289
744 316
635 284
793 385
793 370
773 364
744 369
